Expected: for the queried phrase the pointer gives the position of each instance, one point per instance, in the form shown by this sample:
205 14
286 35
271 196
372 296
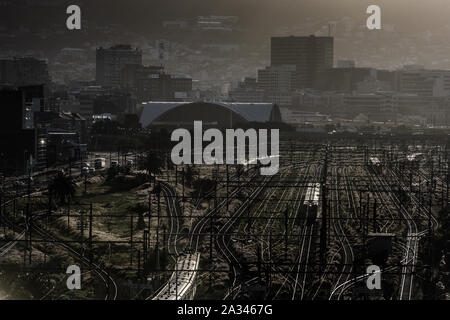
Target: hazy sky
406 14
260 20
412 14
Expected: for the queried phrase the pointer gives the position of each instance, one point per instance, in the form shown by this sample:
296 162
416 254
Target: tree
189 175
240 170
140 223
62 187
105 127
203 188
157 189
112 173
140 209
152 162
169 163
433 251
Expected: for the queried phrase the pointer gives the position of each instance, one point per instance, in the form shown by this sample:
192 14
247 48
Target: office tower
87 97
423 82
17 131
342 79
18 105
110 63
346 64
247 91
13 110
24 72
152 83
309 54
278 78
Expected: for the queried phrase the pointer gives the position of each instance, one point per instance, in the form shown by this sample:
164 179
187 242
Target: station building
212 114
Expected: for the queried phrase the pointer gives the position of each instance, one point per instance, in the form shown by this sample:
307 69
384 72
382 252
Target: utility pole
375 216
323 230
165 240
90 234
360 208
149 218
176 175
29 184
68 215
447 180
85 183
139 264
210 236
159 213
131 239
249 218
182 179
285 233
270 257
430 193
176 278
30 228
2 219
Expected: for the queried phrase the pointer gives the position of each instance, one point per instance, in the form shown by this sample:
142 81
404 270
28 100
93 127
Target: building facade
309 54
110 62
24 72
278 78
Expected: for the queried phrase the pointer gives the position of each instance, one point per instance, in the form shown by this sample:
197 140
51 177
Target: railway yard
226 232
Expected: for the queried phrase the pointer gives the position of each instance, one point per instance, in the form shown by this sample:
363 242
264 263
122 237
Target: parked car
99 163
20 184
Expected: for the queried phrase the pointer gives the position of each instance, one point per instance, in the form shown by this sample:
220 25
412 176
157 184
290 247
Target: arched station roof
224 113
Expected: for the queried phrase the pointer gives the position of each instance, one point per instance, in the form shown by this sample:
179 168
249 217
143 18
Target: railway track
280 206
223 238
234 292
196 230
110 284
408 267
104 276
335 212
305 247
174 212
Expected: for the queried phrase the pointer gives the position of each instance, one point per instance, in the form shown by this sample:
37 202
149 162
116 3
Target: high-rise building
24 72
247 91
180 86
309 54
13 110
18 105
150 83
426 83
86 97
342 79
17 131
278 78
346 64
110 63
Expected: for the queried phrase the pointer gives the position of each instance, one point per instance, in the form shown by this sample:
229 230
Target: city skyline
241 153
